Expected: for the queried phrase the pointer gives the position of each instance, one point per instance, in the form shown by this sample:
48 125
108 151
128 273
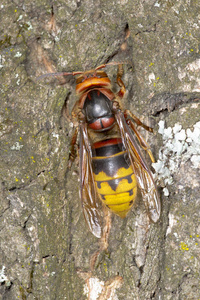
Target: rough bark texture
46 247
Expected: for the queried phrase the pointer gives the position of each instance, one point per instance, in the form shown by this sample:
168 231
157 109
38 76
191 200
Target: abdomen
114 177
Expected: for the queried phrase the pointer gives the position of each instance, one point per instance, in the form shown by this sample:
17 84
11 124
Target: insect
112 165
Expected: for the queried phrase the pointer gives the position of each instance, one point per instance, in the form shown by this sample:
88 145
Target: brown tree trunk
46 248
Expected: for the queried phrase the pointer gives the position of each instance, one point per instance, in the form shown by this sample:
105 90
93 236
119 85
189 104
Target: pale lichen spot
179 146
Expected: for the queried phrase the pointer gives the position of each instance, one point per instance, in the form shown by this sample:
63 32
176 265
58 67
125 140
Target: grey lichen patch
3 277
179 146
16 146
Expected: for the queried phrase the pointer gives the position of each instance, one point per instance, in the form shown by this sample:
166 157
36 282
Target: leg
106 228
120 73
129 114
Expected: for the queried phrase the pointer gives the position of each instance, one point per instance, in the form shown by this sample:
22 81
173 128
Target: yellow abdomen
114 177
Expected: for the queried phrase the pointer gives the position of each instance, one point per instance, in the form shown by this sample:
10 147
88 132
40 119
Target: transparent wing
143 173
88 193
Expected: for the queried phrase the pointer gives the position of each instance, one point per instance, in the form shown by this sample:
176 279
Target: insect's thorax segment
82 84
98 111
114 177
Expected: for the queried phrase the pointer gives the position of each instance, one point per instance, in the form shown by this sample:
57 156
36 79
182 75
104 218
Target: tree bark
46 248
